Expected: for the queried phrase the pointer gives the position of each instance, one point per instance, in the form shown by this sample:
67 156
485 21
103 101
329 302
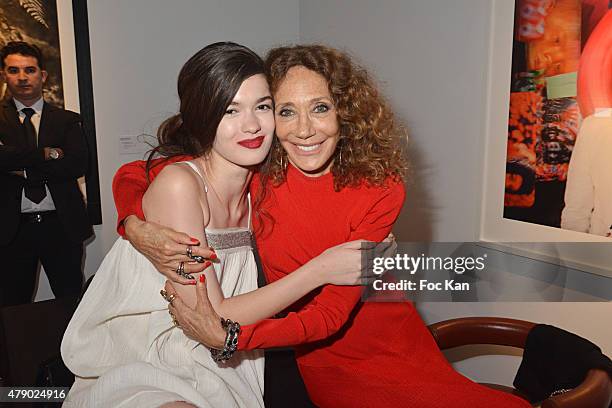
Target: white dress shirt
47 203
588 193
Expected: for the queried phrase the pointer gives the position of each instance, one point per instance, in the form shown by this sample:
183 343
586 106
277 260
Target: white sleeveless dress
126 352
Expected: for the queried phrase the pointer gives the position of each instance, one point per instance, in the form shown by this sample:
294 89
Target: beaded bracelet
231 341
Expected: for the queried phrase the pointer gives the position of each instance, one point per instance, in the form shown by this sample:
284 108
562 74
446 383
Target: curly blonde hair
370 146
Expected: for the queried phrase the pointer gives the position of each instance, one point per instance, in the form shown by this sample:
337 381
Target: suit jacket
58 128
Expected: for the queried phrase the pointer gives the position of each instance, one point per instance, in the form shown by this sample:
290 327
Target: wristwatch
54 154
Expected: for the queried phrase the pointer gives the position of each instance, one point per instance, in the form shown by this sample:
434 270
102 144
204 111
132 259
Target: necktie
30 131
36 191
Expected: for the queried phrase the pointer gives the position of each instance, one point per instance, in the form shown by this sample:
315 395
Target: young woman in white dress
122 344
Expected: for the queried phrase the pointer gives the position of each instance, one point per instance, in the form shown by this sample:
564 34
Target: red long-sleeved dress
350 354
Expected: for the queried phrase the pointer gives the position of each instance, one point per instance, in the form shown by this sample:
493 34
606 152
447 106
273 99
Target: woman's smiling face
306 121
245 133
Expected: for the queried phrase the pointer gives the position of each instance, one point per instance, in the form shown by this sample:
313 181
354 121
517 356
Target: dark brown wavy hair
207 84
370 148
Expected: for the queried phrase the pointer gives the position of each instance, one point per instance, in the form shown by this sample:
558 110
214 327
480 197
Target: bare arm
202 322
163 246
337 265
175 200
320 318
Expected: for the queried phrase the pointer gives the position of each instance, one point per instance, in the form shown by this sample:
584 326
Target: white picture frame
517 236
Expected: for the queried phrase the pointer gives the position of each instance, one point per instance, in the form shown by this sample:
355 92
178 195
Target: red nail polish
207 264
202 278
213 256
191 282
195 241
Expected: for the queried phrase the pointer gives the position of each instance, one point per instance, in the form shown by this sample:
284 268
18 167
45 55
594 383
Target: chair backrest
481 330
594 392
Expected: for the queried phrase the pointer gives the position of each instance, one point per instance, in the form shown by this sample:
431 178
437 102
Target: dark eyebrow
16 67
264 98
260 100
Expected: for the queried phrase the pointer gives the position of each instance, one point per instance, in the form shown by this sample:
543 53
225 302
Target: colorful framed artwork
536 107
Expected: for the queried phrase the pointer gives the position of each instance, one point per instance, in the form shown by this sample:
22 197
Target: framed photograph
60 29
498 224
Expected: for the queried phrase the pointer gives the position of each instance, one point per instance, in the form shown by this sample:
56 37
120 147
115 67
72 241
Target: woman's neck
229 181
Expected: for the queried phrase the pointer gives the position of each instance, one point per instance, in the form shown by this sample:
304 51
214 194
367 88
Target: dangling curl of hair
371 145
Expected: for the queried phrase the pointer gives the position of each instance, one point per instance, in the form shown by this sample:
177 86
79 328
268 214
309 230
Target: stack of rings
196 258
181 271
170 298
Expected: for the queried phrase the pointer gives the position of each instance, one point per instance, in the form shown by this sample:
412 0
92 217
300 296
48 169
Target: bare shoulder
178 179
178 185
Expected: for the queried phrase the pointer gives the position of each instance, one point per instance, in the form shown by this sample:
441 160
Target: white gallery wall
431 59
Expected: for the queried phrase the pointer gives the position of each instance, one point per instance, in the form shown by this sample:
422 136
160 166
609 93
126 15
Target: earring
340 155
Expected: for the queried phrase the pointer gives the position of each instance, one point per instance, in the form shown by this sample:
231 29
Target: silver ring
181 271
196 258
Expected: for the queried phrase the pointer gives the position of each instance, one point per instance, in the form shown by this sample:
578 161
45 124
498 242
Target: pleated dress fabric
126 352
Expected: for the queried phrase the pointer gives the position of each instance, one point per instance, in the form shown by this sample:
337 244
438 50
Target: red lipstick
254 143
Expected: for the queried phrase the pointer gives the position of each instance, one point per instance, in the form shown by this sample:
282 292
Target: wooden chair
594 392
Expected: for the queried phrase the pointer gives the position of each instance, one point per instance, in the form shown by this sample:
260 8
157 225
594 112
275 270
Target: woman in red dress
334 175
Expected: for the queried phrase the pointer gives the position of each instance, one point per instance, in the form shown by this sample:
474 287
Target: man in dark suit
42 211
